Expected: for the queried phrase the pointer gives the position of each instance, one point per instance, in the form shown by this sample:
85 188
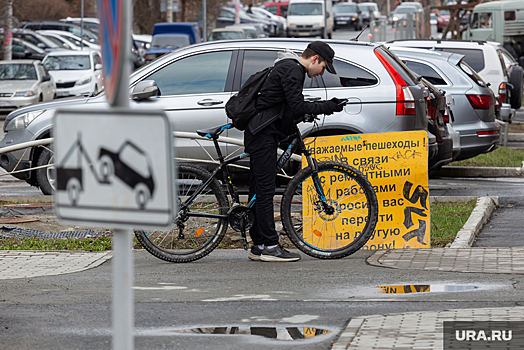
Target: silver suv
196 81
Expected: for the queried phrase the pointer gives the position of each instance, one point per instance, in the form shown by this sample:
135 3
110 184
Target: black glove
332 106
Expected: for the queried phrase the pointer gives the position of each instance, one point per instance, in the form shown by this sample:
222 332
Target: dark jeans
262 149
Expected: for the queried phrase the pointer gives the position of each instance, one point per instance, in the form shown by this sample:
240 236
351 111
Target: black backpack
241 107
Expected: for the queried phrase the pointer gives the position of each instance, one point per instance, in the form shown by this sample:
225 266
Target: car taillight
497 104
405 99
446 114
480 101
502 92
486 133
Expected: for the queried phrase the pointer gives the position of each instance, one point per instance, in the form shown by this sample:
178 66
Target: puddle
424 288
279 333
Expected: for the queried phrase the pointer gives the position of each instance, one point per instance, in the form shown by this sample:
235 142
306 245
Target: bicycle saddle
214 132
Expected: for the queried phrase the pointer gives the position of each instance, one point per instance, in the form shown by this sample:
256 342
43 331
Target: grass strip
501 157
447 219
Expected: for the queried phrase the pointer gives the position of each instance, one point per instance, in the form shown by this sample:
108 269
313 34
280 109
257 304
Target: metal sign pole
116 16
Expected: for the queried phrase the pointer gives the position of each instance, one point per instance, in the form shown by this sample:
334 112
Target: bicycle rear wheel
190 237
341 227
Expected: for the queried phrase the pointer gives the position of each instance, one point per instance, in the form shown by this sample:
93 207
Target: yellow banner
396 164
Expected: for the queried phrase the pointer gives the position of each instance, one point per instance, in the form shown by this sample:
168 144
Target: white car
71 38
24 82
76 73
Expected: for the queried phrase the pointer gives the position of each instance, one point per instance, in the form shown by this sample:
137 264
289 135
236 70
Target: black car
347 15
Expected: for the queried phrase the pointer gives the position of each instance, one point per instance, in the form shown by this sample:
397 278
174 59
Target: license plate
342 22
62 93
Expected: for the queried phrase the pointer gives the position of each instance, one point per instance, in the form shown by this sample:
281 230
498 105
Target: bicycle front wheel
336 226
195 232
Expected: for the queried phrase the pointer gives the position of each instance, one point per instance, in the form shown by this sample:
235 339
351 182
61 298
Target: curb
464 171
479 216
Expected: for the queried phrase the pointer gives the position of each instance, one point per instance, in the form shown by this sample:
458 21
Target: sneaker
255 252
278 254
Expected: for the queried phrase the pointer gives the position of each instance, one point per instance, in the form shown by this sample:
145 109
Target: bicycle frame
223 166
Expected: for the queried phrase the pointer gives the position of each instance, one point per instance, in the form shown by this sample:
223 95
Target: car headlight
24 94
23 120
83 81
321 24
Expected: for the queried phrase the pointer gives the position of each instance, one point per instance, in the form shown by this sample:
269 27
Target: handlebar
310 118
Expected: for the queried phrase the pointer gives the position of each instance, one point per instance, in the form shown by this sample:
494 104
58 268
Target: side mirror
46 78
145 90
98 66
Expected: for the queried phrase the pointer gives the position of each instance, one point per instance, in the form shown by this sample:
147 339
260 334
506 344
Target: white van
306 18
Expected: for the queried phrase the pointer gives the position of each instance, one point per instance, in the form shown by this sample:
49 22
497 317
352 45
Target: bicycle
325 222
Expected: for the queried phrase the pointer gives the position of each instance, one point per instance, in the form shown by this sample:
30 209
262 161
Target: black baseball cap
326 52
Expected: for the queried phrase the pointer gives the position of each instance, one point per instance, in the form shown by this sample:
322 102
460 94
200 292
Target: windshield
405 10
444 13
29 45
17 72
345 8
305 9
170 41
67 63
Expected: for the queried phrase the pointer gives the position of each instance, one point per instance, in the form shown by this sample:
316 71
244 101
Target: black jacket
281 98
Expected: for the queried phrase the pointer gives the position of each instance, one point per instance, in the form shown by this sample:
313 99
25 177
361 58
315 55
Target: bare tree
31 10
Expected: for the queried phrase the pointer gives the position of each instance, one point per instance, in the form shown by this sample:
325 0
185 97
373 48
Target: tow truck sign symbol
110 164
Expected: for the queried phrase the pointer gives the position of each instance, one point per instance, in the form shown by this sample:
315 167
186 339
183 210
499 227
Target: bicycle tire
201 234
316 232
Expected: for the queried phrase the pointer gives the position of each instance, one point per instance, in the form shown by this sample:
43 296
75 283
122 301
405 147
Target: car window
227 14
305 9
272 9
197 74
427 72
485 20
98 59
471 73
397 64
40 70
509 15
348 75
474 23
17 72
474 58
257 60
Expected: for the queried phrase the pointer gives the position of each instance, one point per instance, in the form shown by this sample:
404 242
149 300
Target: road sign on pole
115 36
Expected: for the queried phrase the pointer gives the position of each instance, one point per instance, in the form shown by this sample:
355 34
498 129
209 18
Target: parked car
485 59
164 43
278 8
93 24
61 41
250 32
22 50
70 38
37 39
347 14
63 26
24 82
195 82
227 17
226 34
76 73
280 21
473 110
143 40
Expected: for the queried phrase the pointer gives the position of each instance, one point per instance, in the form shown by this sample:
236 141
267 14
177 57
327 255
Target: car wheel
73 190
516 74
142 195
46 177
107 168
